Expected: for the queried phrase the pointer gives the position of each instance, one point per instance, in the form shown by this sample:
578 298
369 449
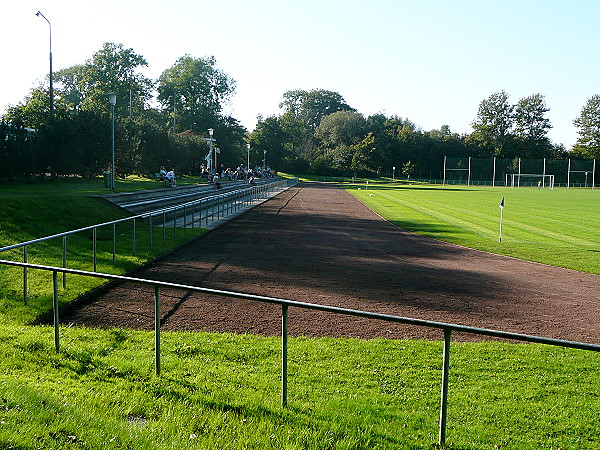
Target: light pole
210 145
393 173
51 87
248 147
264 160
112 98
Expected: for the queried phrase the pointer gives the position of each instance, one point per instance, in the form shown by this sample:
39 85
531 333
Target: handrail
325 308
138 216
285 304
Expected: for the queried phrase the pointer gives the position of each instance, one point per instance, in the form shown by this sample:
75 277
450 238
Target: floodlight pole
248 147
39 14
112 98
210 144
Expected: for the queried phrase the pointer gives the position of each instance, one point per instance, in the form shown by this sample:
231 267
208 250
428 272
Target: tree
531 127
408 168
193 92
113 68
268 135
311 106
494 123
588 124
337 133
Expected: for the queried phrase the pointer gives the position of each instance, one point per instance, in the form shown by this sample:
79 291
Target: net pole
469 173
569 174
594 175
544 177
519 179
444 182
494 173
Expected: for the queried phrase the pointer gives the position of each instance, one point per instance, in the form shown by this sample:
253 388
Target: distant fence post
444 402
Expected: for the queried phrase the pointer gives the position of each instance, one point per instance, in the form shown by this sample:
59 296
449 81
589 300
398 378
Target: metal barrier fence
285 304
211 208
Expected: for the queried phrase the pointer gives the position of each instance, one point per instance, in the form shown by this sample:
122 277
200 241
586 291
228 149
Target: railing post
134 249
94 241
25 275
150 223
164 226
114 242
284 353
444 402
175 223
157 329
64 261
184 219
55 311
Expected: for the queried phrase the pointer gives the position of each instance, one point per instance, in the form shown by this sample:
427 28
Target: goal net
530 179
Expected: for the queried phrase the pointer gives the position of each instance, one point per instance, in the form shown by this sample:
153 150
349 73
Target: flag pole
501 216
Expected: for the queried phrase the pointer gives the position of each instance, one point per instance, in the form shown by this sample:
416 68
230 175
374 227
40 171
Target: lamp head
112 98
38 14
248 145
211 131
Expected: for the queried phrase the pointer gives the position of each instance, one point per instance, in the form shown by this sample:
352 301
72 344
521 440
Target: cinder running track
316 243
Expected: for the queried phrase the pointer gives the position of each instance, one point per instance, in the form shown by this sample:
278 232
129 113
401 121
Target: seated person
171 177
216 181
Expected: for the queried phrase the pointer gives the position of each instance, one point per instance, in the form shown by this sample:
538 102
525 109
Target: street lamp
264 160
112 98
393 173
51 88
248 147
210 144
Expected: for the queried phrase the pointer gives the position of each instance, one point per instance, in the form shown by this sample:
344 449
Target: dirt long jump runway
316 243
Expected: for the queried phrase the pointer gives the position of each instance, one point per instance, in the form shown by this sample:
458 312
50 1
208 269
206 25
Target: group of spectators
213 176
240 173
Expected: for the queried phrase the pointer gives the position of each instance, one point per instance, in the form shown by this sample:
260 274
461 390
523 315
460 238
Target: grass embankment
559 227
222 391
34 210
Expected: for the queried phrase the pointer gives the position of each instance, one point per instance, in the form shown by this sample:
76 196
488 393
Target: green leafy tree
311 106
338 132
588 128
113 68
408 169
365 155
193 92
268 136
494 123
531 127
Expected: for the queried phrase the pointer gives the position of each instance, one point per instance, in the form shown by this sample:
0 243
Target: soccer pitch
559 227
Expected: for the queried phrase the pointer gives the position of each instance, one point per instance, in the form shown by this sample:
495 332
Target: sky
431 61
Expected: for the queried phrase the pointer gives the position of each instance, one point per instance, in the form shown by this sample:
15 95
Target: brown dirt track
316 243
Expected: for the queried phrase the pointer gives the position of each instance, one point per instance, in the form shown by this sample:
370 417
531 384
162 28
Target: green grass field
559 227
222 390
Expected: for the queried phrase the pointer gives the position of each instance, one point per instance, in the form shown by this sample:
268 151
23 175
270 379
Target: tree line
165 122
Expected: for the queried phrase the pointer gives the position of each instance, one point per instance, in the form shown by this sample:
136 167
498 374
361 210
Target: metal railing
186 215
285 304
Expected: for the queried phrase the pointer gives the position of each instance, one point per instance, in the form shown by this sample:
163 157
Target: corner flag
501 216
